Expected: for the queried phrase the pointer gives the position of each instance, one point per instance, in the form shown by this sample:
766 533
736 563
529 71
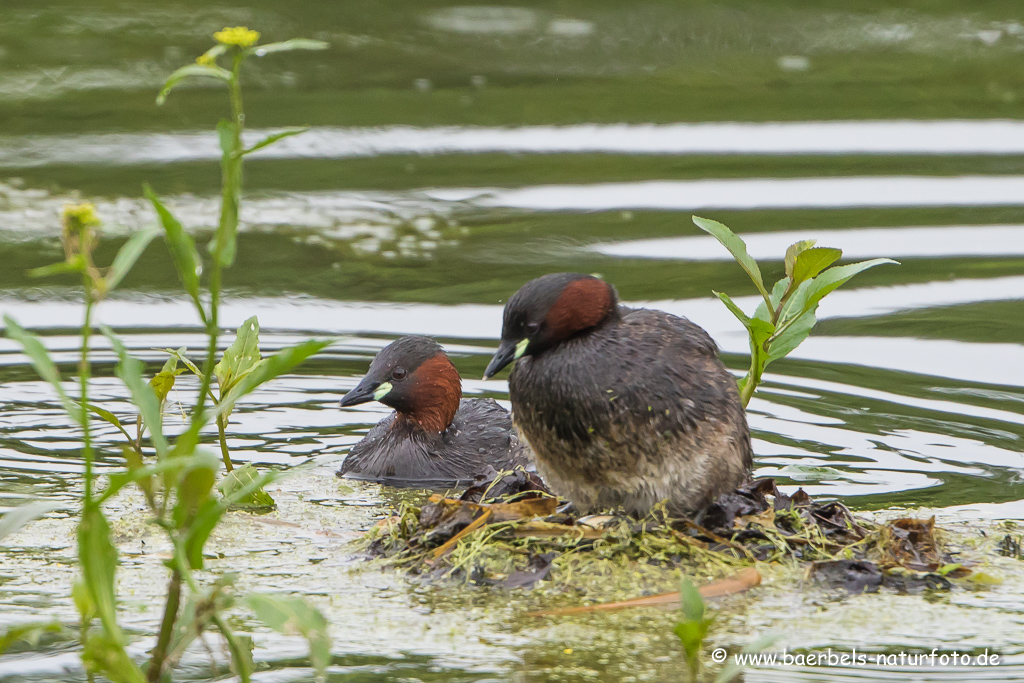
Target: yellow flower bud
237 35
79 234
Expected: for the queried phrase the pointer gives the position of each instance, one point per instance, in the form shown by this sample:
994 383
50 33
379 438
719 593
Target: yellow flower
205 60
79 233
83 214
238 35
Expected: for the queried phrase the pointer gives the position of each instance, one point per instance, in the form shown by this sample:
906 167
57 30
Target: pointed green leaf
812 261
736 246
732 670
194 489
289 45
191 71
30 634
692 601
240 478
813 291
44 366
180 355
127 255
795 250
143 396
271 139
109 417
792 336
183 250
15 519
778 291
759 330
241 357
267 369
208 516
291 615
97 558
61 268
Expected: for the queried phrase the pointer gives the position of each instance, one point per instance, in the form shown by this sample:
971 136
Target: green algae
478 631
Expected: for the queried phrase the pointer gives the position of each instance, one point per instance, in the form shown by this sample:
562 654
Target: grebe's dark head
414 376
547 311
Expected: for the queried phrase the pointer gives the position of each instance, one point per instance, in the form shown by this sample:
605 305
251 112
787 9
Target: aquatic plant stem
753 378
84 371
224 453
156 662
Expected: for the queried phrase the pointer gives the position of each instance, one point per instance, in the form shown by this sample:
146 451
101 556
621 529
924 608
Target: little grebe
433 438
620 406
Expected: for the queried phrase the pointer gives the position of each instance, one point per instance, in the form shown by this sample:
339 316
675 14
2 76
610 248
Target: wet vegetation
176 475
905 394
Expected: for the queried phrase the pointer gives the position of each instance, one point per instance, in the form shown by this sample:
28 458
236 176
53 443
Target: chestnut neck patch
582 304
434 393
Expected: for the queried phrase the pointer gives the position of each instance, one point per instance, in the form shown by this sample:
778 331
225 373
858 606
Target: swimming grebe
433 438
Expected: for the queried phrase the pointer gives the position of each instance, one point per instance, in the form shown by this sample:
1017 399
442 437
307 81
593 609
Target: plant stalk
84 370
156 663
224 453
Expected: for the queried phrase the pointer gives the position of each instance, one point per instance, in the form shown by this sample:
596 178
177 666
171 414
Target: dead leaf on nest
741 581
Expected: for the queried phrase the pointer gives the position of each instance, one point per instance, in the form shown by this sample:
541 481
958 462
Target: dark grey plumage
398 452
629 411
433 438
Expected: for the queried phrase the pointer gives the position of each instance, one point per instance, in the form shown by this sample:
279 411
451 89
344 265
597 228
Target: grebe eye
531 328
398 373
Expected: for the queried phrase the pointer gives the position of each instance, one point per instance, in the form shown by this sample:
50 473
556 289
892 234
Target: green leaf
693 627
731 670
795 250
15 519
289 45
191 71
812 261
271 139
194 489
127 255
808 296
183 250
778 291
61 268
267 369
180 355
170 466
29 634
224 243
692 601
209 514
241 357
792 336
736 246
107 656
97 558
241 478
162 383
44 366
143 396
759 330
290 615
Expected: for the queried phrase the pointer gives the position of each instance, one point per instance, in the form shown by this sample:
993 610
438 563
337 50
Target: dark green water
457 152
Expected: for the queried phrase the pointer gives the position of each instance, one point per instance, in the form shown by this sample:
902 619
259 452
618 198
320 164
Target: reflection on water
458 151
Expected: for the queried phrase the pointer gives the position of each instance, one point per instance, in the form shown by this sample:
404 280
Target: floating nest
509 530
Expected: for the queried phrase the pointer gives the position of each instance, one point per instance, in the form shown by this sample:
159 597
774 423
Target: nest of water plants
509 530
